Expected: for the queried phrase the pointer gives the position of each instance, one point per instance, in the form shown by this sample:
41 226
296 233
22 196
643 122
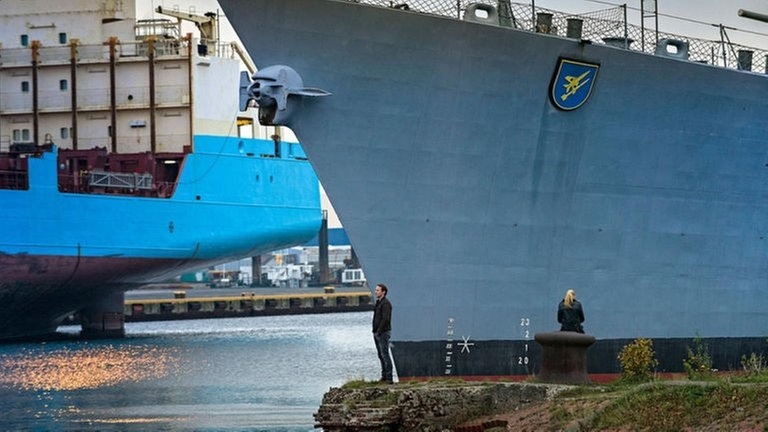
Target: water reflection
256 374
84 367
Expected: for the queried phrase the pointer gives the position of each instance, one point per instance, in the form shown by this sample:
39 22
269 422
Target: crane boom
207 24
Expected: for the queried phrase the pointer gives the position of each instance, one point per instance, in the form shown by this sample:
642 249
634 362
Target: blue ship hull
467 187
67 252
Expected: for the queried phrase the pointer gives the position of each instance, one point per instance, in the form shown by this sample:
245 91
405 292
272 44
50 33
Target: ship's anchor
271 88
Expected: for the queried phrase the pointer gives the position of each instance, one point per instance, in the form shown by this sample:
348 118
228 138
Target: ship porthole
240 146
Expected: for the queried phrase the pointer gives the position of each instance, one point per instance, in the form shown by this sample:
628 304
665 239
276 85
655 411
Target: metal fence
601 26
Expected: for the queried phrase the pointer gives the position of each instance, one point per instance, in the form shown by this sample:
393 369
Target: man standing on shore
382 328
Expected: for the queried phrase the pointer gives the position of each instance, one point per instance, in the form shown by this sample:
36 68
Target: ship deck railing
601 26
109 183
136 50
14 180
130 181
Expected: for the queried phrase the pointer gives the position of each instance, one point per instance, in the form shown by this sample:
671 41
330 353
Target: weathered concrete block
423 407
564 357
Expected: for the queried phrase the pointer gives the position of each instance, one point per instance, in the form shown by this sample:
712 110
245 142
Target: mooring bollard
564 357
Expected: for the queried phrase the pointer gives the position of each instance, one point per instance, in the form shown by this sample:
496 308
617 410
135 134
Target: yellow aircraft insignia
573 84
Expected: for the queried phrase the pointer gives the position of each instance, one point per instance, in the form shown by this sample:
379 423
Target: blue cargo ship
124 160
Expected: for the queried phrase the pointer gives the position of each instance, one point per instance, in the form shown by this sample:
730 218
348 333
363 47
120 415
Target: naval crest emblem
572 83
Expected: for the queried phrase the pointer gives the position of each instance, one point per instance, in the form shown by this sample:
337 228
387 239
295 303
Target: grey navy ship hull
479 202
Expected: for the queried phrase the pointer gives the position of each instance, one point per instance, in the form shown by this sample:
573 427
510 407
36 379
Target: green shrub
754 364
698 365
637 360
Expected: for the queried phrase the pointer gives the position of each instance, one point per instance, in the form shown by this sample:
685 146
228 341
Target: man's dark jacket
382 316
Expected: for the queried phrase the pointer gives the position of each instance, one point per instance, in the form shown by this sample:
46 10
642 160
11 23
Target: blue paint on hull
59 251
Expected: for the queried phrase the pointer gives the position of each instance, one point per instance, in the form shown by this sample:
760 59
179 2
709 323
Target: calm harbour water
239 374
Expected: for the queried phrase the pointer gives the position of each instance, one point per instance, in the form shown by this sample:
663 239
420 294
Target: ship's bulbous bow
270 88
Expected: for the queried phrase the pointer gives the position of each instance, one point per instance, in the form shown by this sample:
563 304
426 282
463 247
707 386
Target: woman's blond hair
570 296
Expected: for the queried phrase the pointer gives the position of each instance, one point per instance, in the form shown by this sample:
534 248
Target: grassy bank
655 406
718 403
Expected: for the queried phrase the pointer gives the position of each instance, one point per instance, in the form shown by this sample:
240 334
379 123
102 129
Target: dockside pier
209 303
